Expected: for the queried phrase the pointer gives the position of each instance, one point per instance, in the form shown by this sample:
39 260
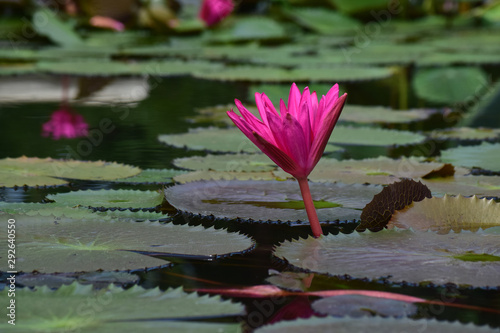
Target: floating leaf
448 213
402 255
466 133
351 7
449 84
359 306
394 197
459 58
97 279
379 114
381 170
369 136
323 21
223 176
112 309
300 74
484 156
109 198
268 200
32 171
152 176
46 22
248 29
485 111
228 162
372 325
50 244
488 186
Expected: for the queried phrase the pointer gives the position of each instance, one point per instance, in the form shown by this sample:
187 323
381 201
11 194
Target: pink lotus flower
214 11
295 138
65 123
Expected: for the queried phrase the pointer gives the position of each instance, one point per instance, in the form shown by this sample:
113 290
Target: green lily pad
269 200
151 176
448 213
381 53
360 305
372 325
369 136
488 186
299 74
350 7
32 171
17 69
78 212
224 176
402 255
50 244
322 20
484 156
248 29
109 198
382 115
484 112
97 279
466 133
227 162
449 84
47 23
459 58
112 309
381 170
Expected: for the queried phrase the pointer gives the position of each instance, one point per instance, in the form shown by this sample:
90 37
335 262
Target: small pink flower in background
65 124
296 137
107 23
214 11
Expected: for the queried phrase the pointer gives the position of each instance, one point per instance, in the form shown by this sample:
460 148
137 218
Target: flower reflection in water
65 123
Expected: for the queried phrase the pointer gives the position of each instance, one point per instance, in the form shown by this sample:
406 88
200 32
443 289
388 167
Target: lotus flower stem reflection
296 137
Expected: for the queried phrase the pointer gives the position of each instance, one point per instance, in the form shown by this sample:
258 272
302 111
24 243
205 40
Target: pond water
132 139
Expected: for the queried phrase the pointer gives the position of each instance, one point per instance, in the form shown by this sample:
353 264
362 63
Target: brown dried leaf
396 196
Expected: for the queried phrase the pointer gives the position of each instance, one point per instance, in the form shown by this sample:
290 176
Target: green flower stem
311 211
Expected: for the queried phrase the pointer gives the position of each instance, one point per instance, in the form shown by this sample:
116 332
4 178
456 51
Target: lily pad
457 58
269 200
322 20
372 325
381 170
360 305
248 29
484 156
32 171
50 244
402 255
47 23
369 136
466 133
449 84
228 162
488 186
112 309
448 213
97 279
152 176
224 176
299 74
109 198
383 115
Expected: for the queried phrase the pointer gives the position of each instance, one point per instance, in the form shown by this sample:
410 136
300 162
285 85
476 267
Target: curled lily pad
112 309
32 171
369 136
365 324
466 133
394 197
466 258
228 162
50 244
484 156
360 305
109 198
381 170
448 213
268 200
